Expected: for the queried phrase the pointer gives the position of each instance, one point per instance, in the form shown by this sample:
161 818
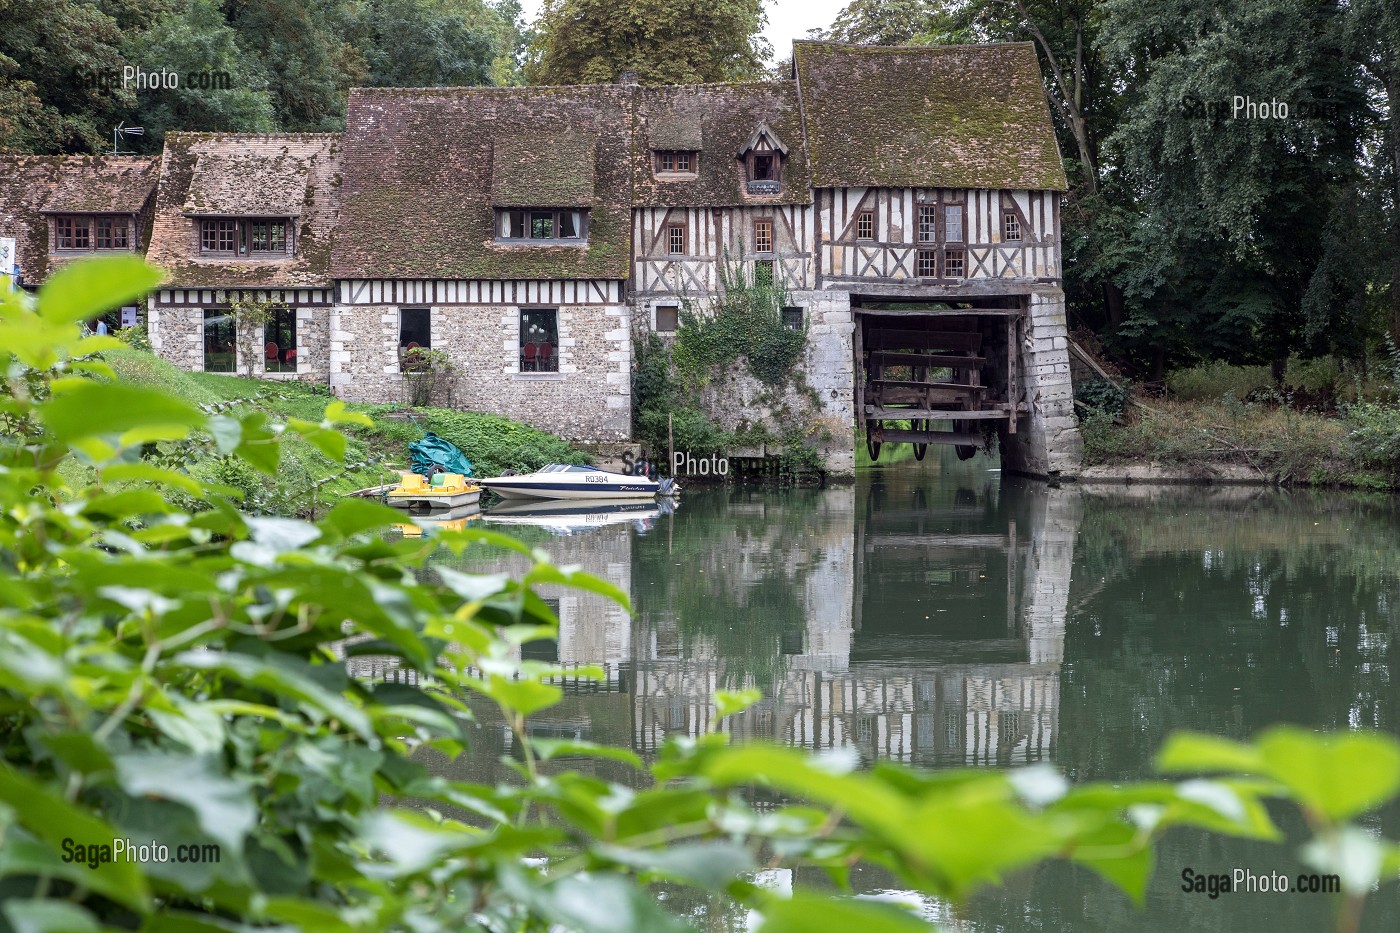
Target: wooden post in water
670 448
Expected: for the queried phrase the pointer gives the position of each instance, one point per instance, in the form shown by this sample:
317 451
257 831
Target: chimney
628 78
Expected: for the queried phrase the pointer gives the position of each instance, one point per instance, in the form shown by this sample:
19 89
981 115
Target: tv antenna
122 132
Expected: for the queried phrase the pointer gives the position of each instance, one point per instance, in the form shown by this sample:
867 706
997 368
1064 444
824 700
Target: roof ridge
231 134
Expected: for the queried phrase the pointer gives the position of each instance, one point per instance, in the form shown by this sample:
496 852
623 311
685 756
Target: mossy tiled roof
542 169
716 120
964 116
295 175
421 175
249 182
103 185
33 186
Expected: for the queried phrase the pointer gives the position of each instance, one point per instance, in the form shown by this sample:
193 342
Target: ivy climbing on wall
740 331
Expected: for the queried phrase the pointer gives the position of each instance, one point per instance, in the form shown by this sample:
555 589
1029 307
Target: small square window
675 239
928 264
668 319
953 223
763 236
1011 227
928 223
792 318
954 263
763 272
865 225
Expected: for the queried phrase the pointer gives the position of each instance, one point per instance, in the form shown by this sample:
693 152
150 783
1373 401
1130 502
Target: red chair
546 351
291 356
527 357
270 351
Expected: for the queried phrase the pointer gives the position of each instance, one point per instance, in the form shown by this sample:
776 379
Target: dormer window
245 237
542 226
677 162
763 156
86 233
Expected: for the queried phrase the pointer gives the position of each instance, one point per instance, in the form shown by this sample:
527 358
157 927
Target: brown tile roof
421 181
717 120
220 185
958 116
245 174
33 185
542 169
103 185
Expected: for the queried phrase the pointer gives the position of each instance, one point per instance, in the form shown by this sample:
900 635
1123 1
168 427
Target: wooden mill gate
936 375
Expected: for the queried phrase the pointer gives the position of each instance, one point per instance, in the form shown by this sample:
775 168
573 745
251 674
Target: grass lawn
306 479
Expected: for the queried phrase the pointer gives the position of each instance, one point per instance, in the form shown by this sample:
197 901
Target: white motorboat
569 481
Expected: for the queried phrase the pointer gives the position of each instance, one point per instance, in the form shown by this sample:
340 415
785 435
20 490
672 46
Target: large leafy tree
195 41
430 43
664 42
1231 206
56 59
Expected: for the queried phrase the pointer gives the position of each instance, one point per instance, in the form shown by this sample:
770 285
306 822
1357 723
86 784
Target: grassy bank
1354 443
306 477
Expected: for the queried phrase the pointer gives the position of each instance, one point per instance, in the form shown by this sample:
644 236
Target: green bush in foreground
168 677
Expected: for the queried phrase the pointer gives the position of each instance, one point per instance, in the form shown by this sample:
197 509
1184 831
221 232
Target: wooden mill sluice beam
932 370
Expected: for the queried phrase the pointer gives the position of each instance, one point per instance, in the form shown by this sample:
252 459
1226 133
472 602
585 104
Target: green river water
941 615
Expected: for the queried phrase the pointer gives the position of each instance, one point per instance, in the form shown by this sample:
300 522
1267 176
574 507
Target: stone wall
589 399
1047 441
177 335
738 401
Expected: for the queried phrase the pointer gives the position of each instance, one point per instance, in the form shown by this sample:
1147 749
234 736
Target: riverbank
305 476
1229 441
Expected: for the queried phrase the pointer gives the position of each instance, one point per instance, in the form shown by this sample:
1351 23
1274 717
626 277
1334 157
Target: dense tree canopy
249 65
664 42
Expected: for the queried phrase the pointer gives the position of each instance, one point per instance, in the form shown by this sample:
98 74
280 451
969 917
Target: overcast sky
787 19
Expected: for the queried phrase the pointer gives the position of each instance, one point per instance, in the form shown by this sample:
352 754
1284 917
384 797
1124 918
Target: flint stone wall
588 399
1047 441
177 335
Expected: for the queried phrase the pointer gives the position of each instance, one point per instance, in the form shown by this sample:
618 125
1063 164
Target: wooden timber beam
900 436
902 358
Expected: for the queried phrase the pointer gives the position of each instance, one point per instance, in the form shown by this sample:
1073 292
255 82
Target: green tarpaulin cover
433 451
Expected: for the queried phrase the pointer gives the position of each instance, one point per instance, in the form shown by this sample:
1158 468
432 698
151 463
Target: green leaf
87 289
145 472
1340 776
729 702
352 516
337 413
52 819
1121 854
48 916
1193 751
94 409
546 749
594 903
704 864
804 913
280 680
519 696
223 805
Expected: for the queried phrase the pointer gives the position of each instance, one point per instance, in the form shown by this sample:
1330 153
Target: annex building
906 198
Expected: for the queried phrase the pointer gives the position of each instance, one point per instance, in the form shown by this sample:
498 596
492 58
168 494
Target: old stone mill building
908 199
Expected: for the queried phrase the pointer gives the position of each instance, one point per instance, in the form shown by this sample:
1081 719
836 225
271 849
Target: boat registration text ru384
569 481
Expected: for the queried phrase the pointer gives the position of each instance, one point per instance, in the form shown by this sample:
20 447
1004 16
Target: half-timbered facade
905 199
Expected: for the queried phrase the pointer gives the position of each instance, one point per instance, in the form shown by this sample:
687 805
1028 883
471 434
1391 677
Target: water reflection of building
972 680
913 625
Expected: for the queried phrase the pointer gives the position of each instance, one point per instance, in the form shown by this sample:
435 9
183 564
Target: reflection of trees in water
732 581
